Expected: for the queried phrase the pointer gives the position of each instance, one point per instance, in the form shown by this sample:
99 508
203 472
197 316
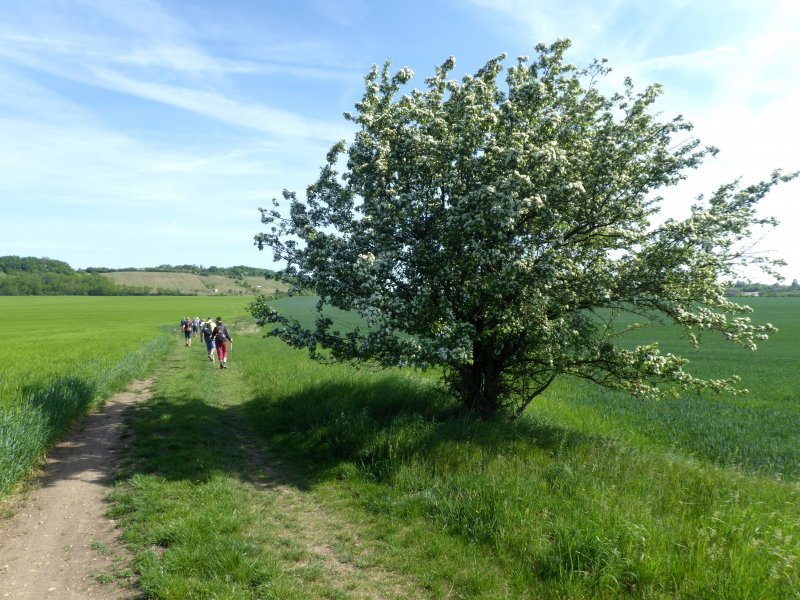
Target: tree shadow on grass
186 438
378 424
320 428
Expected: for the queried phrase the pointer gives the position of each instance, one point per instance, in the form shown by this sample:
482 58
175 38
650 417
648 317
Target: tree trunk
482 381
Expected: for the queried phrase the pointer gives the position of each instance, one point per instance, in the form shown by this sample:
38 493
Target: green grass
757 432
303 308
69 354
193 504
591 494
283 478
193 535
561 511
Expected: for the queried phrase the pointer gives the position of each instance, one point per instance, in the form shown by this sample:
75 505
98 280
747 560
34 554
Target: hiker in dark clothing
186 326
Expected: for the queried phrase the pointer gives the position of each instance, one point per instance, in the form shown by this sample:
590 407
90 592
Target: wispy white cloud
256 116
529 22
126 116
147 19
79 190
82 166
22 96
83 182
181 59
141 66
741 90
692 61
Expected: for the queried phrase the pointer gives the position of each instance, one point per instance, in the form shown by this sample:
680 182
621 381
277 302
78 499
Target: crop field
194 284
266 286
226 284
170 281
70 352
303 308
589 495
758 432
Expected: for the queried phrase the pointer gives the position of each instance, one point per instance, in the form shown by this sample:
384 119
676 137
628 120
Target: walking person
186 325
221 339
207 331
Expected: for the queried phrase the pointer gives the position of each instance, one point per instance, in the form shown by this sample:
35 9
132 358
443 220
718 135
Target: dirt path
59 544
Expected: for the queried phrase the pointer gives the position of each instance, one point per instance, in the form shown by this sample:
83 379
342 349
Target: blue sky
137 133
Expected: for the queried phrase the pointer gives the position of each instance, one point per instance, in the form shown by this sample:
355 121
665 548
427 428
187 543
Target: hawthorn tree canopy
499 232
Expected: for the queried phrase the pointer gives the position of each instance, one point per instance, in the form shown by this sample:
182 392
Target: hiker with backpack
207 331
221 339
186 326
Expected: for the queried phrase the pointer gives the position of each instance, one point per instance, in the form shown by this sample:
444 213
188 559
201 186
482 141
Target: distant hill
30 276
191 283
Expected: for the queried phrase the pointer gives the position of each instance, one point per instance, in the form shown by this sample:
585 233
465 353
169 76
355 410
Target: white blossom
511 222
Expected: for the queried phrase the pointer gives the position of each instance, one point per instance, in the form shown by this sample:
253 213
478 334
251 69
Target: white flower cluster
515 221
367 259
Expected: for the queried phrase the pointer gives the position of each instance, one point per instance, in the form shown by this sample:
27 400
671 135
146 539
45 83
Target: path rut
59 544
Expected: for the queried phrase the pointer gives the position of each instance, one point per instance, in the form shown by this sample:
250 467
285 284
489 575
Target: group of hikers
215 335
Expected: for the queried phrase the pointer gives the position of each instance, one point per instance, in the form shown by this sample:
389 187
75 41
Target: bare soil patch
58 543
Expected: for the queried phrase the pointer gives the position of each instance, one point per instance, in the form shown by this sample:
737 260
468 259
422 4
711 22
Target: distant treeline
237 271
29 264
42 283
29 276
746 288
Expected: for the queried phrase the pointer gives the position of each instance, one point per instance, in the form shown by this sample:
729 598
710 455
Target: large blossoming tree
499 232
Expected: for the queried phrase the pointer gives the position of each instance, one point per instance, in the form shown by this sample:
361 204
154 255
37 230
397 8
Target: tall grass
589 495
199 528
192 517
756 432
39 415
68 354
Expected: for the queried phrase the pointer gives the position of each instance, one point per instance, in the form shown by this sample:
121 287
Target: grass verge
280 478
43 410
559 511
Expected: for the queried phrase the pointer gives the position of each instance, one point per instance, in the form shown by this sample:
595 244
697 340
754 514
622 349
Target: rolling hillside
191 283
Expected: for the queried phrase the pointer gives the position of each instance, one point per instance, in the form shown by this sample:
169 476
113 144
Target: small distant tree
499 233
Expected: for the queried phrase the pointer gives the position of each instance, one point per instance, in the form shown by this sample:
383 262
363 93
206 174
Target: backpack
222 334
207 329
187 326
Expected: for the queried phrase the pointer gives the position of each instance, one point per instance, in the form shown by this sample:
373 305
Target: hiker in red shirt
221 339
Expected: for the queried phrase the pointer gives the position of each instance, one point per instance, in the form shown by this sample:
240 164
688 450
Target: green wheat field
70 353
591 494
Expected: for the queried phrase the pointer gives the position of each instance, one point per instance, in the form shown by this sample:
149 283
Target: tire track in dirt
59 544
321 532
